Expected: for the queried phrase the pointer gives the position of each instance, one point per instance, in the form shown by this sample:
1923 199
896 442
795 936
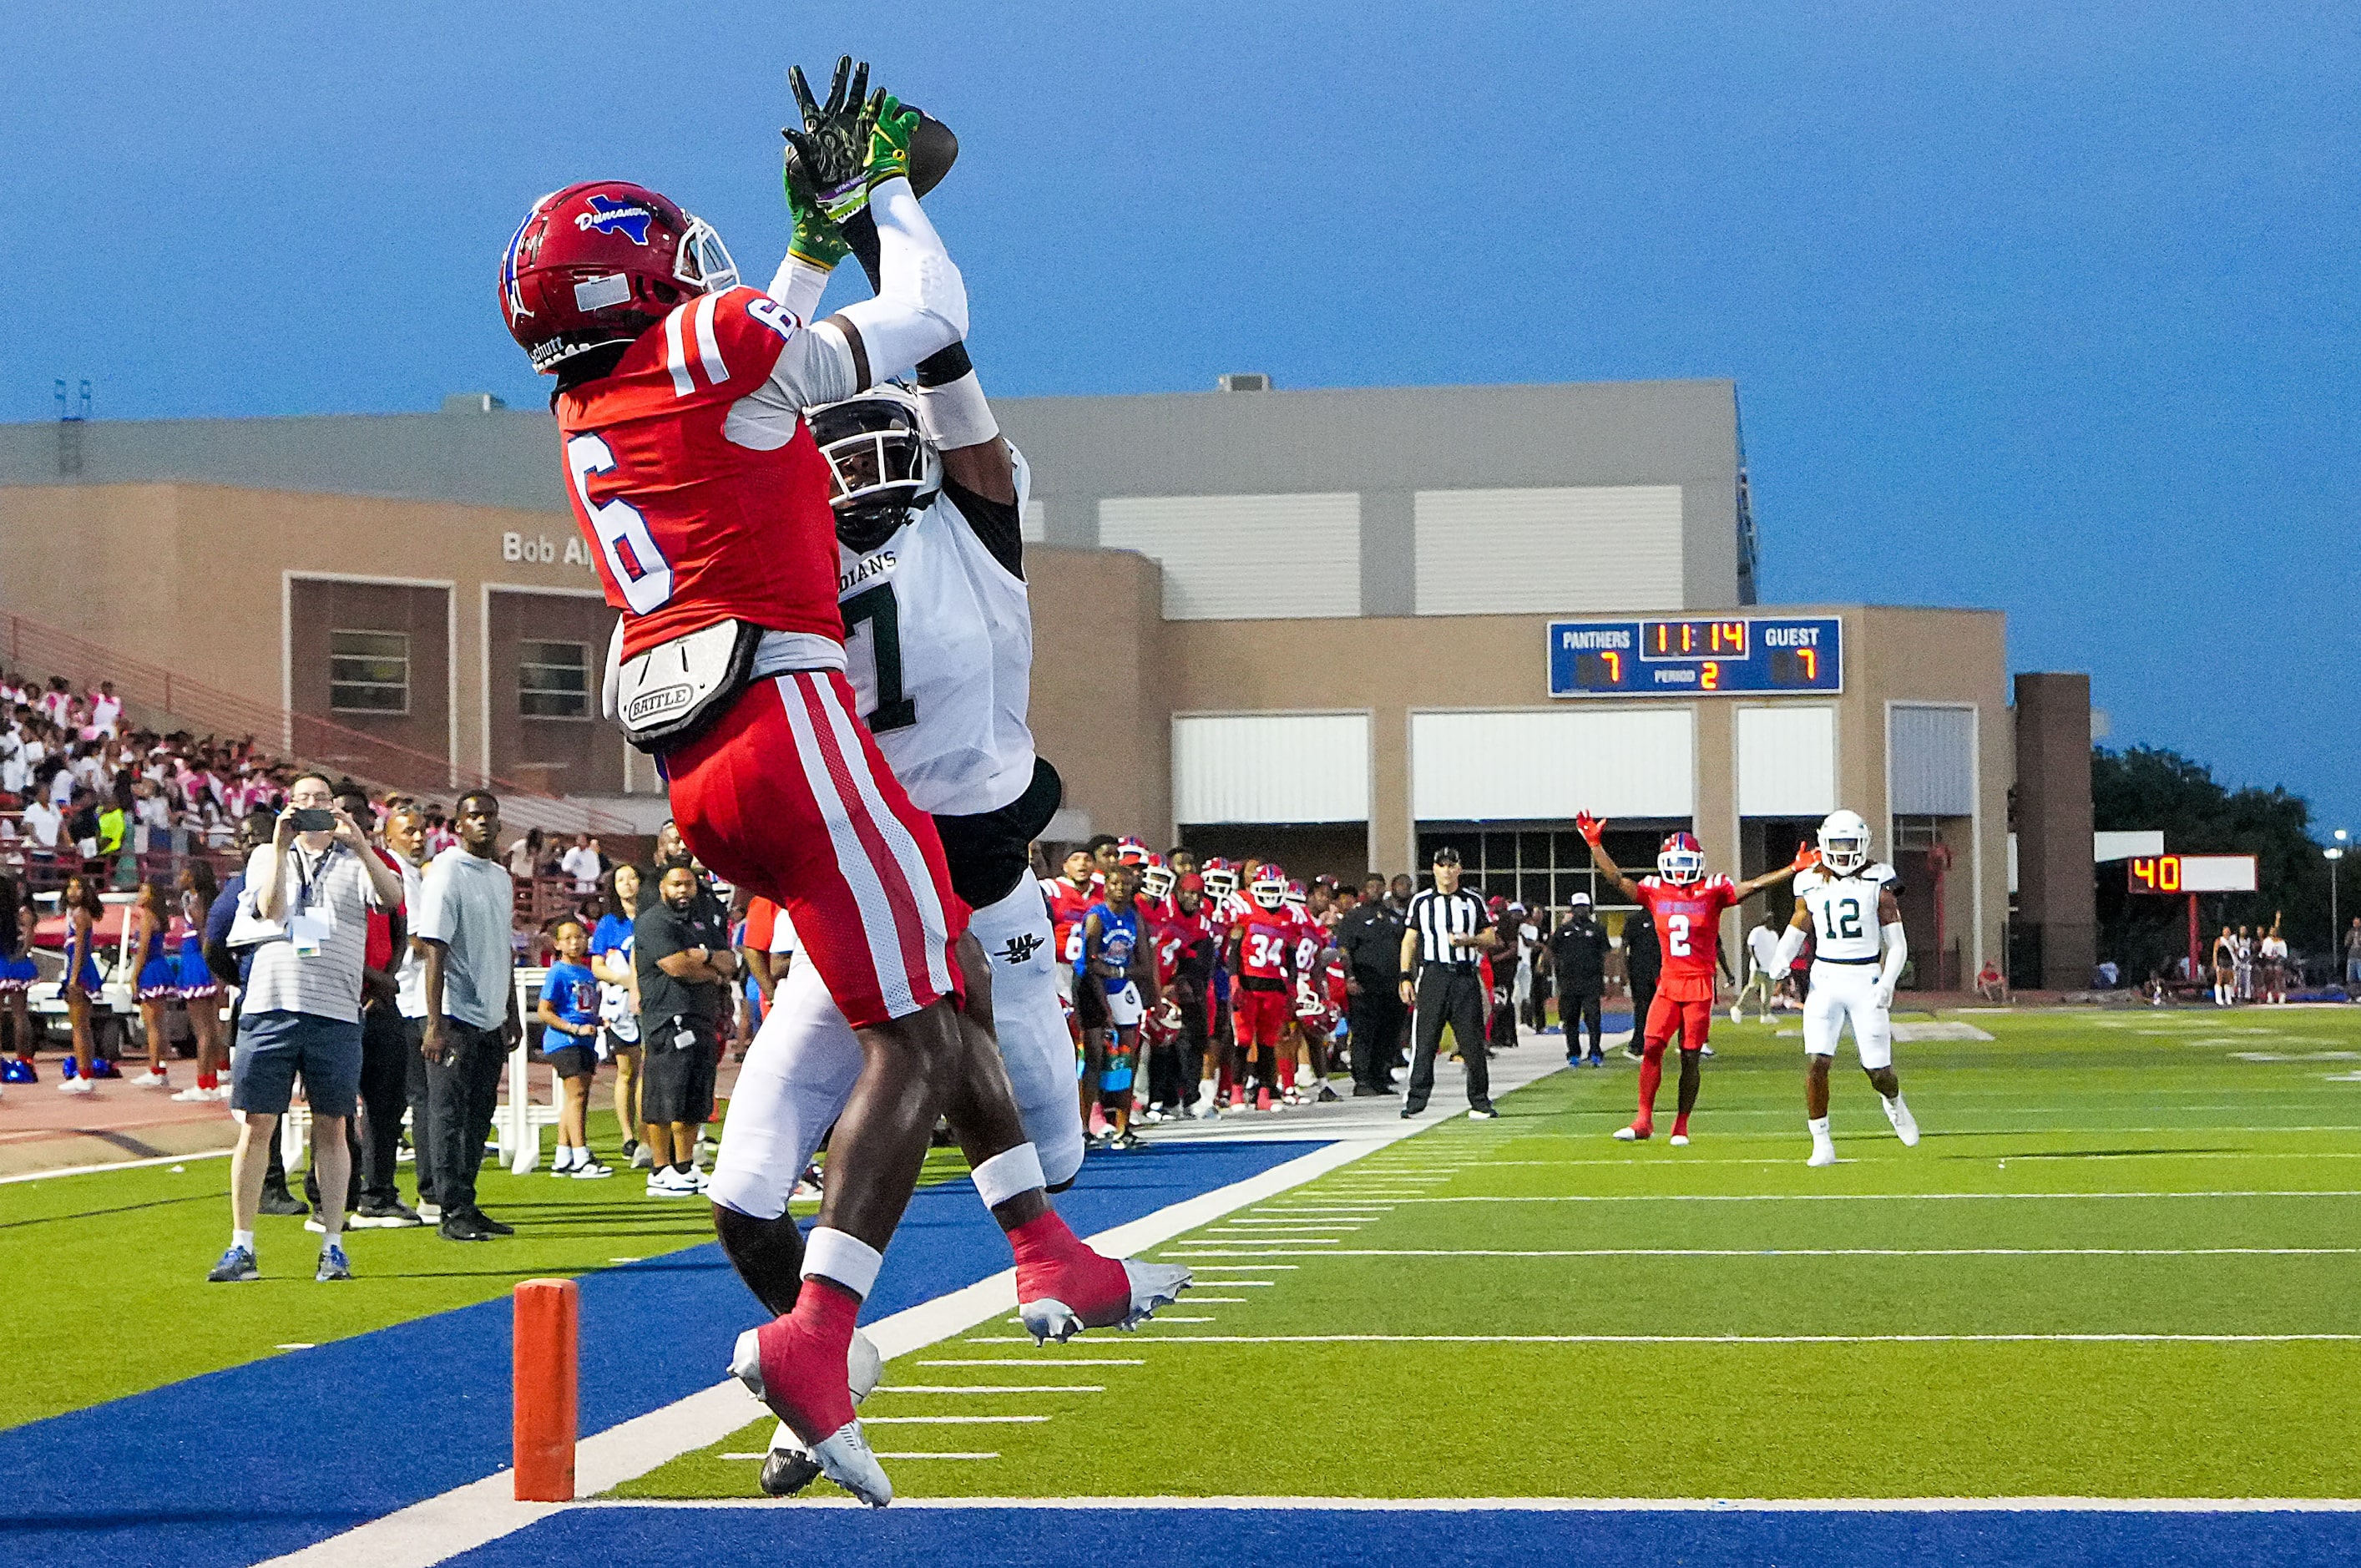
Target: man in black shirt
680 946
1642 962
1447 932
1370 937
1577 951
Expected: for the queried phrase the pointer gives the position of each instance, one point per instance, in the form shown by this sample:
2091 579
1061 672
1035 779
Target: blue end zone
1091 1538
241 1466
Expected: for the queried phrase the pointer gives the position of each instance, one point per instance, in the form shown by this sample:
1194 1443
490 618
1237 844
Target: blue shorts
273 1047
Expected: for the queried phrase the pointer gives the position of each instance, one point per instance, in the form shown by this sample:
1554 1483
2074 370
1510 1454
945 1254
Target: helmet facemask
882 468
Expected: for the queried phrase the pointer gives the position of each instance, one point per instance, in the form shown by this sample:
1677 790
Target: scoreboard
2193 873
1730 656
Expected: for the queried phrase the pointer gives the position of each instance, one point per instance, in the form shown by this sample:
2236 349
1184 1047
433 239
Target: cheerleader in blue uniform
79 984
199 990
159 979
16 974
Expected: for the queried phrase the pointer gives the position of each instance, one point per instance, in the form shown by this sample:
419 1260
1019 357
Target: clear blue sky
2046 308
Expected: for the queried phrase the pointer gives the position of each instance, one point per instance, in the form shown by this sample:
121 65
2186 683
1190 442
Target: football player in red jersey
705 503
1686 906
1262 955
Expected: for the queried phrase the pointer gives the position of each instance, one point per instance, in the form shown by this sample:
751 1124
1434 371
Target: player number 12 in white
633 560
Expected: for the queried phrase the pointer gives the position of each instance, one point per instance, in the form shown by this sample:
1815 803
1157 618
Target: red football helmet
1270 888
599 263
1132 852
1682 859
1219 877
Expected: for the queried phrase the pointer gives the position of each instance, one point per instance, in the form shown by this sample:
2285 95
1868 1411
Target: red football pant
1695 1022
789 797
1261 1017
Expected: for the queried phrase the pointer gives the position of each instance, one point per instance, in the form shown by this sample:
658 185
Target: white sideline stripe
948 1420
114 1165
1572 1504
1742 1339
467 1517
883 1454
1225 1283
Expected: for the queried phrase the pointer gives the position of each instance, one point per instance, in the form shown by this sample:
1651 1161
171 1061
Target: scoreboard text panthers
1736 655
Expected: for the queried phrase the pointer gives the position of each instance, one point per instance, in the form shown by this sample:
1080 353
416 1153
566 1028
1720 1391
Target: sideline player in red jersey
1686 904
694 477
1262 955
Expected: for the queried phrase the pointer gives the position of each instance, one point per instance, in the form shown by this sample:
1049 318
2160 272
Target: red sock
1681 1125
1652 1073
1053 1264
803 1359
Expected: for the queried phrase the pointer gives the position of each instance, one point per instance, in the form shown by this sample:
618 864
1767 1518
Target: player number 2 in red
1677 935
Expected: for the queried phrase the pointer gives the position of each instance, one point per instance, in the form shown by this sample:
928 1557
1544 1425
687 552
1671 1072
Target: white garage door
1245 557
1545 766
1931 757
1786 762
1271 767
1569 549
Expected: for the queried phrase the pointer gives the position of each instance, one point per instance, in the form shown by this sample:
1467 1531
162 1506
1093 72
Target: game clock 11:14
1722 655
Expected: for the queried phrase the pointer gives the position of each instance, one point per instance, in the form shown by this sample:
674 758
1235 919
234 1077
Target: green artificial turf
2041 1136
116 1258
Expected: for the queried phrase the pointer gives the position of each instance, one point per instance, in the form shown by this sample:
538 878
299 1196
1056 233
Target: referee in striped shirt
1450 930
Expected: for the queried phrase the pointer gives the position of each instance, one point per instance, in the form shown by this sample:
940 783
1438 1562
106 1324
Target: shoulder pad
1808 879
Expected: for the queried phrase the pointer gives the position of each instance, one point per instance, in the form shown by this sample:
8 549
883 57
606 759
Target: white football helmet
1844 842
1156 879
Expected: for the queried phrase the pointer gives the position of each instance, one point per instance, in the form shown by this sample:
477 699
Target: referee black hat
1446 856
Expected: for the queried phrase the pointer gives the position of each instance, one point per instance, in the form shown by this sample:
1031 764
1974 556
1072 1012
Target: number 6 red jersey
695 479
1689 928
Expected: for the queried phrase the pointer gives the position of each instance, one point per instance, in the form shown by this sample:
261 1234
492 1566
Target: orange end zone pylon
548 1314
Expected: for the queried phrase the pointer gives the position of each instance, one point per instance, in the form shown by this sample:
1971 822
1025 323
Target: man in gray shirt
465 910
306 914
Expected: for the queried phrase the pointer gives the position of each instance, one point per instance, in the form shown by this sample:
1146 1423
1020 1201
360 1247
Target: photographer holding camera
306 914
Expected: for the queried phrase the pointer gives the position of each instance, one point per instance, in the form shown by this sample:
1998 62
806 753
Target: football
933 151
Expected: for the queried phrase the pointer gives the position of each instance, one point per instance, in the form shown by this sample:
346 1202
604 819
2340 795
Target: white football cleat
1153 1285
1737 1014
790 1467
1906 1125
1680 1140
1822 1154
1630 1135
843 1457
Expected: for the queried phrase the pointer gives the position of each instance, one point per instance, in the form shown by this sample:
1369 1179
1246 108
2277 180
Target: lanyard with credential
304 884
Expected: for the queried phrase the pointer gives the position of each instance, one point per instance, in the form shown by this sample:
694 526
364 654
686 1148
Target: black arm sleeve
997 523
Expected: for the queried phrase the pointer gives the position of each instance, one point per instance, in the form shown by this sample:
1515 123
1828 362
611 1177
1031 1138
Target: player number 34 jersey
1844 911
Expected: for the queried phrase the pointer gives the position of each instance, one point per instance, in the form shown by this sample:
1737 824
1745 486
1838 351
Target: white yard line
1578 1505
114 1165
468 1517
1043 1361
997 1388
1872 1197
1794 1252
1736 1339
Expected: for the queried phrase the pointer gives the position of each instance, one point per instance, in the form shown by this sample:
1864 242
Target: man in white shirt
43 823
581 863
106 709
463 918
306 913
405 836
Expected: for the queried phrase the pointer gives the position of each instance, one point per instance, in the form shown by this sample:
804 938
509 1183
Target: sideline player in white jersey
938 641
1847 907
1762 973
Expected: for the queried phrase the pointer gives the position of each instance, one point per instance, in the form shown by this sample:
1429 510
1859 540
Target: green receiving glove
834 144
890 128
817 241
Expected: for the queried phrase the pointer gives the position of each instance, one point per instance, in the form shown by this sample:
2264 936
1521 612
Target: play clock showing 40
1720 656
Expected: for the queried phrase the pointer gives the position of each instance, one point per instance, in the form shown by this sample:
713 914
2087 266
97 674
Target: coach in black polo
1450 930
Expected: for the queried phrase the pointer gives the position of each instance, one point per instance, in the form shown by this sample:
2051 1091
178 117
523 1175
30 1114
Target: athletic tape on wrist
957 415
1011 1174
844 1258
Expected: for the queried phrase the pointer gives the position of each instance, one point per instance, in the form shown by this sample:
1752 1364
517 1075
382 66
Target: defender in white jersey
939 644
1847 907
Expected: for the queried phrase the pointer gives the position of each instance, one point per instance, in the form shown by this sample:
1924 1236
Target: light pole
2333 853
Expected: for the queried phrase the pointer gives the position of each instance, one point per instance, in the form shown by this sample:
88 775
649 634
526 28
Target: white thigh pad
1034 1041
794 1082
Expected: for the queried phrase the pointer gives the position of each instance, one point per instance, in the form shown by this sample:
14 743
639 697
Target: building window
368 672
554 680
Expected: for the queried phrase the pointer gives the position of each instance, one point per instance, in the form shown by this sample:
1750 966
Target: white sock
1819 1126
844 1258
242 1238
1895 1101
565 1159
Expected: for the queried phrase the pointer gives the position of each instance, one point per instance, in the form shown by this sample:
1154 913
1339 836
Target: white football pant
1847 994
799 1072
